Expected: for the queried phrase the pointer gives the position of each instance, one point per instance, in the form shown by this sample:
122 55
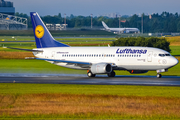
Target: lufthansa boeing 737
120 30
98 60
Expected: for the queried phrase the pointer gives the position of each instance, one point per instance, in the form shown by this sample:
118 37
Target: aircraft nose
173 61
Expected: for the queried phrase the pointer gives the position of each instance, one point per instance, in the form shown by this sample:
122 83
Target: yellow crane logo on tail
39 31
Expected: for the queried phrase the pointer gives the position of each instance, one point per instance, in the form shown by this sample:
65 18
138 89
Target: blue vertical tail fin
42 35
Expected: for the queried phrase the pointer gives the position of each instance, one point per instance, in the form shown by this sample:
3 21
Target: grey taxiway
83 79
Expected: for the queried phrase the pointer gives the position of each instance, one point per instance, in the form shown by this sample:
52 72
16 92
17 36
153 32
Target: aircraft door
53 55
149 58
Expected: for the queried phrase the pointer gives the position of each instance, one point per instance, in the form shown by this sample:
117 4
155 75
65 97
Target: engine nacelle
101 68
137 71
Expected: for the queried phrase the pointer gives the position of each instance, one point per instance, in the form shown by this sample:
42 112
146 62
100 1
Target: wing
84 65
74 64
65 61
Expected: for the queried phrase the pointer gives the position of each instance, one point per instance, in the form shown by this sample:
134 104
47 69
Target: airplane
97 60
120 30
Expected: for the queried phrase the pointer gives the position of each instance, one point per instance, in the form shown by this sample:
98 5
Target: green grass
72 33
135 94
33 66
90 116
25 45
175 50
16 38
77 39
120 90
31 45
38 66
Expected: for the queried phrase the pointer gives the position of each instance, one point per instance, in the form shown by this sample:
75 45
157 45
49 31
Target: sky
95 7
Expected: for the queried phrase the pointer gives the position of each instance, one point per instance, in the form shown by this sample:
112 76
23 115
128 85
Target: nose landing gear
160 71
159 75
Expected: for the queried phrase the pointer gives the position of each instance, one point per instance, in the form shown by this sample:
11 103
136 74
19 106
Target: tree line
156 42
156 23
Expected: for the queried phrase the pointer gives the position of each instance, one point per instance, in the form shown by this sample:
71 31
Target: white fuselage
123 30
124 58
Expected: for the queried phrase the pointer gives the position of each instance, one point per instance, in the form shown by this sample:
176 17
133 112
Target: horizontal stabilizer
24 49
29 58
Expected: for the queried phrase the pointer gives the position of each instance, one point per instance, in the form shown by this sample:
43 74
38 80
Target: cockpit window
163 55
167 54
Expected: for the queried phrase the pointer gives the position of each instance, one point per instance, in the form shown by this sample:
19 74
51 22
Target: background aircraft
120 30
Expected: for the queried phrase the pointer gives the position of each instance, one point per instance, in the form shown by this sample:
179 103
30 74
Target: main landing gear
111 74
90 74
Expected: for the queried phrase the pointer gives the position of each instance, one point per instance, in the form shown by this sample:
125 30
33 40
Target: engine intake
101 68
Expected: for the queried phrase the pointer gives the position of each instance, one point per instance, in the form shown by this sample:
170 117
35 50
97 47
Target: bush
156 42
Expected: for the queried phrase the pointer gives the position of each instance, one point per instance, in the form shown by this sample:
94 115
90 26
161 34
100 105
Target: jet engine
101 68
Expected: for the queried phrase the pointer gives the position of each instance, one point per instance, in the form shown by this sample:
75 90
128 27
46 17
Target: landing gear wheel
159 75
112 74
89 74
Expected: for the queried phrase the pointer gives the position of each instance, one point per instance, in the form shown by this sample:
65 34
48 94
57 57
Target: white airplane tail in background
104 24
